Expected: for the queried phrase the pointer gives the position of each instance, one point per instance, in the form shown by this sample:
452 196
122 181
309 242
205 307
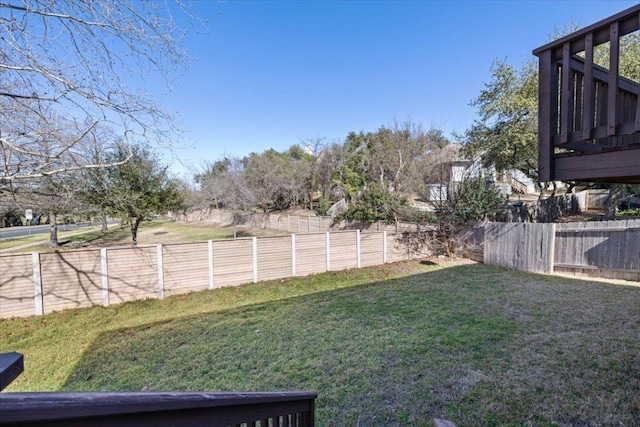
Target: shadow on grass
474 344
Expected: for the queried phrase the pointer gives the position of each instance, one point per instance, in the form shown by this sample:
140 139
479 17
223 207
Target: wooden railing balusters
589 115
588 92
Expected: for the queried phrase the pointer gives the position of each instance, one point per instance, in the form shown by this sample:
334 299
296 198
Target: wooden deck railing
589 116
214 409
285 409
11 366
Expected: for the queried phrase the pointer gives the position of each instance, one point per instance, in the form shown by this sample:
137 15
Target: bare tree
73 64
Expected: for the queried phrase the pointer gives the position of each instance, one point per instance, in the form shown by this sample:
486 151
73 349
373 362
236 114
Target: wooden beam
587 116
615 166
11 366
152 408
566 96
637 123
613 95
547 105
600 30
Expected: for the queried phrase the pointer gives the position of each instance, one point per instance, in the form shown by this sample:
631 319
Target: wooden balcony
589 115
213 409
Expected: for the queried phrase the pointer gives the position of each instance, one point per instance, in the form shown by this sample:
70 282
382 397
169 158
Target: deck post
546 122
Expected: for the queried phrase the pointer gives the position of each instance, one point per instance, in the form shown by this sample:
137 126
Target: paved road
6 233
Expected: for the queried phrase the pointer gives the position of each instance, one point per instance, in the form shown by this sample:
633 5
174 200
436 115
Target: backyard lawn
150 233
396 345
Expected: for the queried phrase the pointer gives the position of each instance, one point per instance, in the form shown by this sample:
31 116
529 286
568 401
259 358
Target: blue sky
270 74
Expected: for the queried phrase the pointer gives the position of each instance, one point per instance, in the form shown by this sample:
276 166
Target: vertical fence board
609 249
523 246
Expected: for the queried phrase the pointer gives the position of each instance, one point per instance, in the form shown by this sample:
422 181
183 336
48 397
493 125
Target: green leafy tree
506 131
137 189
473 200
277 181
376 204
388 157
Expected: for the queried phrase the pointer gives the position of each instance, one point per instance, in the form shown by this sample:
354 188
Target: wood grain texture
70 279
16 286
156 408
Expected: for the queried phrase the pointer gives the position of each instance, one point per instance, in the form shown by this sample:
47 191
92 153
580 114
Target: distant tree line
379 174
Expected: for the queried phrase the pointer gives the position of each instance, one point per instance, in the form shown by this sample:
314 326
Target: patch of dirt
448 261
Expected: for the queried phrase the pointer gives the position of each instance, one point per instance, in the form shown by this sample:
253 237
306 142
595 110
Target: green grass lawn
149 232
396 345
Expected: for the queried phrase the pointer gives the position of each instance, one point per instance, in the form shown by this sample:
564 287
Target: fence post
293 255
160 272
328 250
104 273
384 247
255 259
552 249
210 245
358 248
37 283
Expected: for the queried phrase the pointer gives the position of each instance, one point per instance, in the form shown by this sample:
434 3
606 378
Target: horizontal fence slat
70 279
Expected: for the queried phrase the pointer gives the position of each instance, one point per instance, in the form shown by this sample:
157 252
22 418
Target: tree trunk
610 203
53 230
135 222
105 226
542 187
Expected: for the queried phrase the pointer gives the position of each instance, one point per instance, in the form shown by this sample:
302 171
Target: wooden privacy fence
609 249
40 283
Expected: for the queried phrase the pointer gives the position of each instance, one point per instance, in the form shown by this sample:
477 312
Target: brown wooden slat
612 95
146 409
600 30
602 74
637 121
548 114
588 98
566 98
600 166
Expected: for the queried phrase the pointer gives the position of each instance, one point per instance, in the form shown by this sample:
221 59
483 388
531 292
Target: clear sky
270 74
